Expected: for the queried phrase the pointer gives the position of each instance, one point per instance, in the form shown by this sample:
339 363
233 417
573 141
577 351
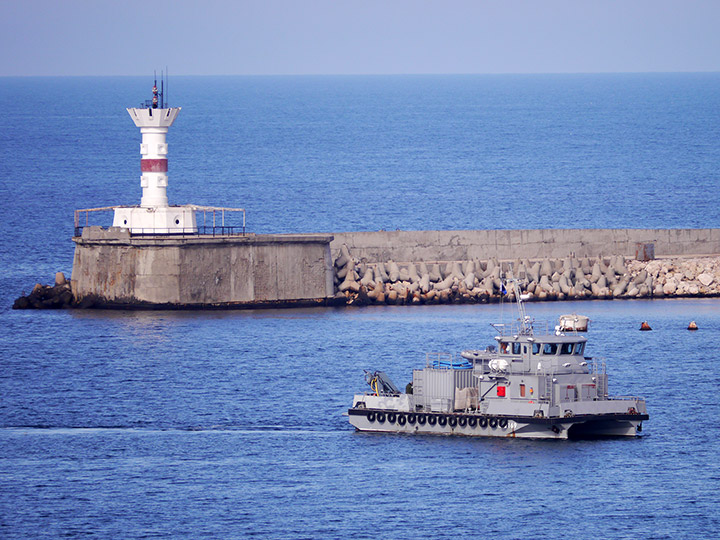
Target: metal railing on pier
78 221
199 231
214 211
213 222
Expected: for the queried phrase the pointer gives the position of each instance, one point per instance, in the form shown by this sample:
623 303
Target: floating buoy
692 326
645 326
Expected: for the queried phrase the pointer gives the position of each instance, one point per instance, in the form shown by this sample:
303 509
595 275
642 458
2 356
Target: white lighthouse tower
154 215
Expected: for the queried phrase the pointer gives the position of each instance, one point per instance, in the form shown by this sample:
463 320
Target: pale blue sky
131 37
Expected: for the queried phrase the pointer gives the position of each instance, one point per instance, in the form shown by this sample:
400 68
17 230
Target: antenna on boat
525 321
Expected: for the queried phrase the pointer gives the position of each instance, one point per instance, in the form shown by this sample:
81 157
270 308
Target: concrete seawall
421 267
408 246
111 268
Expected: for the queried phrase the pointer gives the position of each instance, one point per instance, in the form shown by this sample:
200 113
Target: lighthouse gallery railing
213 222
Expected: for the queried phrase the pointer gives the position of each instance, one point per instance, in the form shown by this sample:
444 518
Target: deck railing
540 327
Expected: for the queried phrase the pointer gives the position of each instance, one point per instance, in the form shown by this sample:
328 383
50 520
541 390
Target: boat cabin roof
548 338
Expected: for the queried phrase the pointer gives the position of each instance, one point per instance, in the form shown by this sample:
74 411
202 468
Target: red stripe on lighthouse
153 165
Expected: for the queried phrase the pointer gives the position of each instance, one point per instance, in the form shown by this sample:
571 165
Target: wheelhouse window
536 348
516 348
549 348
566 348
579 348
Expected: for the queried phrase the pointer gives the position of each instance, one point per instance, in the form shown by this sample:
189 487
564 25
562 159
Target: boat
574 322
535 383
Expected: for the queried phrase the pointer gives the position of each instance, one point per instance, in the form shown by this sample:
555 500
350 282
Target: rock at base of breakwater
478 281
48 296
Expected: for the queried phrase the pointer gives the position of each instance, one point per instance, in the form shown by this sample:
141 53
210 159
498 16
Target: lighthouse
154 215
187 256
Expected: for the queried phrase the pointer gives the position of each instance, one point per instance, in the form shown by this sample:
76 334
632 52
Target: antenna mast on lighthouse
154 215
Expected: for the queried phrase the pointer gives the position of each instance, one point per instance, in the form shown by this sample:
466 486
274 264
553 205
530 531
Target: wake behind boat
532 384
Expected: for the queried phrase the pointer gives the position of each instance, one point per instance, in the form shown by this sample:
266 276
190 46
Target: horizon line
419 74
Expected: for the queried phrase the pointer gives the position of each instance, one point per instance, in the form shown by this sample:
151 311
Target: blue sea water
229 424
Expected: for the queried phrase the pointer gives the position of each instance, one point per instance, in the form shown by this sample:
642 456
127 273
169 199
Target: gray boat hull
480 425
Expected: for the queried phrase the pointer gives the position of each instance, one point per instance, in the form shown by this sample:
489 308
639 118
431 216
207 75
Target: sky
269 37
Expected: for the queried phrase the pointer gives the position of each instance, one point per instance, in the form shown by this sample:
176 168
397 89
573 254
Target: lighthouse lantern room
154 215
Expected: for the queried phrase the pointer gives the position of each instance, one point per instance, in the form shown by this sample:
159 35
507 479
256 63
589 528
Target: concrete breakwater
553 264
374 246
481 281
118 269
114 268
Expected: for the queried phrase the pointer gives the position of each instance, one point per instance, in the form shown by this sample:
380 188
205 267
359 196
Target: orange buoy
645 326
692 326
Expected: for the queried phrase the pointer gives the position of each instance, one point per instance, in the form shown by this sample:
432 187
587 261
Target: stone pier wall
115 269
377 246
112 268
421 267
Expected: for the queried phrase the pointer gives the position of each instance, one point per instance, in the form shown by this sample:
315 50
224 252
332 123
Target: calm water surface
229 424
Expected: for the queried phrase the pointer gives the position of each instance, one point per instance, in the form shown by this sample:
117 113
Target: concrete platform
111 268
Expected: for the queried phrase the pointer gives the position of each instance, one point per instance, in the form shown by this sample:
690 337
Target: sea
229 424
